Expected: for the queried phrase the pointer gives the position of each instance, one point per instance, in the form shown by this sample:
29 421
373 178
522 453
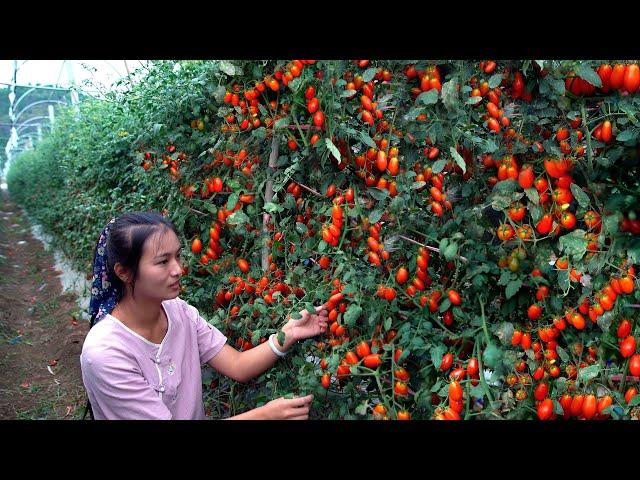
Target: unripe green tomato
520 253
514 264
631 215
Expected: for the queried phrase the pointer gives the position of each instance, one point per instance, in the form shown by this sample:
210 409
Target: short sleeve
210 339
118 390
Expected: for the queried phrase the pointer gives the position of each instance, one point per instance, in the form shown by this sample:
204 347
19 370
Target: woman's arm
243 366
279 409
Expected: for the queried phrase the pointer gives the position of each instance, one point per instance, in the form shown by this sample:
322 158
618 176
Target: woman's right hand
288 408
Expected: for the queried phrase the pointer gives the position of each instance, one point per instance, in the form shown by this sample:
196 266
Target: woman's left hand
310 325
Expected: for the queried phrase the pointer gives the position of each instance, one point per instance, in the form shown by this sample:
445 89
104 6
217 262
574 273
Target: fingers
300 417
322 310
301 401
301 413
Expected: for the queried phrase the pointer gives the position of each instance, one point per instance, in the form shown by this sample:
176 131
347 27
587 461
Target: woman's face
159 269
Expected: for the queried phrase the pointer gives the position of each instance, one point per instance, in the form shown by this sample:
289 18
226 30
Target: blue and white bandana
103 294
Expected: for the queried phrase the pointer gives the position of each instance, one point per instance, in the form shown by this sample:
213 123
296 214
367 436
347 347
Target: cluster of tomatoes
375 163
556 202
169 162
240 160
214 250
545 350
331 232
377 167
250 111
456 400
427 79
620 77
629 223
270 288
376 251
368 111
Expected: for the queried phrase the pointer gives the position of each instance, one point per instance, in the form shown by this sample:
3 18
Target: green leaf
589 373
629 134
574 244
635 401
492 356
506 186
605 320
581 197
352 314
238 218
513 287
375 215
210 207
387 323
282 123
232 201
227 67
610 223
445 305
558 85
505 278
562 353
633 250
333 149
437 353
378 194
563 279
587 73
416 185
362 409
347 93
505 332
490 146
369 73
219 93
271 207
459 160
532 195
495 80
438 165
367 139
450 93
301 228
428 98
450 251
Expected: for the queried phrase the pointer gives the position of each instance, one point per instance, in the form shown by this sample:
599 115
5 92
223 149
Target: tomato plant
463 222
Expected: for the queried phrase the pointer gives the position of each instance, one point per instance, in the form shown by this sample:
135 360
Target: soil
41 334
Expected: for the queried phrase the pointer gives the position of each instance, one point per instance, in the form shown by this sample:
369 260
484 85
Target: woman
142 357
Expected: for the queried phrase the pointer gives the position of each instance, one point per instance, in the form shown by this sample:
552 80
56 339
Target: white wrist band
273 347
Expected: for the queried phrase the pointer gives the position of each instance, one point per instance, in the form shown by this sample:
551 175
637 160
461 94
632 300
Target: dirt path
40 339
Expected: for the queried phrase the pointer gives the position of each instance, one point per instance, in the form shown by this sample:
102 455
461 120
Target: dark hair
126 240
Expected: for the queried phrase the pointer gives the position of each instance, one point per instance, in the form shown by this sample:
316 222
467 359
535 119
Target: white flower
100 250
105 284
94 291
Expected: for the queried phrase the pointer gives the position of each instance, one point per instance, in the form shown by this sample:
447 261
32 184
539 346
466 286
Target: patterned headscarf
103 294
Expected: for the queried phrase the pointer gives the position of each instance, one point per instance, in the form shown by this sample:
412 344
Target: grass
45 311
48 408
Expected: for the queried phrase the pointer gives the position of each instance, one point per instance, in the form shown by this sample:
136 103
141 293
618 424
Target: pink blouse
127 377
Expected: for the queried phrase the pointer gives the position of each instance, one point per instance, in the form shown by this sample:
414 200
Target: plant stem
484 321
625 370
482 379
588 135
